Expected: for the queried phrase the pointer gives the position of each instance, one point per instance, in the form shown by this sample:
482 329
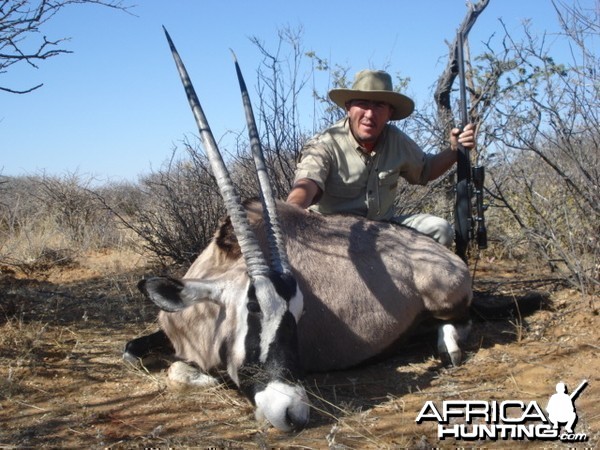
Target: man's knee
444 232
430 225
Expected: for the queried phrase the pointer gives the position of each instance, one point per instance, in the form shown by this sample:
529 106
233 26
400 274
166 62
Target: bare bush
280 82
27 231
75 210
177 208
549 126
46 220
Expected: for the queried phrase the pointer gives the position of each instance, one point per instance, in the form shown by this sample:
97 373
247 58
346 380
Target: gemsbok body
339 290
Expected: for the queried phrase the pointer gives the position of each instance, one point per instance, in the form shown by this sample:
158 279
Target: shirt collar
355 144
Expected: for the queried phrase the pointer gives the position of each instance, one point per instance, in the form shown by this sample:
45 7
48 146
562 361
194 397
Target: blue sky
114 109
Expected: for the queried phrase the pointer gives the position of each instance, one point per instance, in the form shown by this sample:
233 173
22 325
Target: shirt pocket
389 179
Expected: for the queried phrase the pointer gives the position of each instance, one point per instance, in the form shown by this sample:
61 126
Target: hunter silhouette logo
509 419
561 406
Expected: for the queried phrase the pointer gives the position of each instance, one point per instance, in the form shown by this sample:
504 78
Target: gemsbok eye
253 307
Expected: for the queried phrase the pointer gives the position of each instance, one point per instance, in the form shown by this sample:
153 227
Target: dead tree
443 91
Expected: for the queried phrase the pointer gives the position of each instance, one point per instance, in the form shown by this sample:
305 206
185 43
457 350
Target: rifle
469 222
577 391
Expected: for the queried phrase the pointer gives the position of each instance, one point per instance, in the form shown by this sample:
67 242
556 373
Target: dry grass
63 383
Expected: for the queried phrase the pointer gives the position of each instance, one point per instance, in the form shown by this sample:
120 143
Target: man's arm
304 193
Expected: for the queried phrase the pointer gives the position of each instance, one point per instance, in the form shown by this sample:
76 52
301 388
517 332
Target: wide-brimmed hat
375 85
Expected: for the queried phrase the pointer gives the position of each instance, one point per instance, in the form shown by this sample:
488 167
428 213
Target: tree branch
446 80
20 23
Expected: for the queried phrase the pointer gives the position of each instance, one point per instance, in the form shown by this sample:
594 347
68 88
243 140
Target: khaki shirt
357 183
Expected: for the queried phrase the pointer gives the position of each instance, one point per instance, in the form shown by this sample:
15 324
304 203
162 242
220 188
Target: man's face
368 119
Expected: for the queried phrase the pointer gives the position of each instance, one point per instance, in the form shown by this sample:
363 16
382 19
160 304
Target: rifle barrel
580 388
464 113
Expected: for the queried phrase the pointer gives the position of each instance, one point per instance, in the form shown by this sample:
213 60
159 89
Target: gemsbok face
257 341
250 313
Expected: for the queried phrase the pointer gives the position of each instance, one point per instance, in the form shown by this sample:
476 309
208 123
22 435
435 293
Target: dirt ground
63 383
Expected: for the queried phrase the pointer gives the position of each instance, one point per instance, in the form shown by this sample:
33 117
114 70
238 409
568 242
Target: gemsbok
338 290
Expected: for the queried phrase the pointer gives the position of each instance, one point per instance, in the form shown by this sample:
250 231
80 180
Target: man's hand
466 138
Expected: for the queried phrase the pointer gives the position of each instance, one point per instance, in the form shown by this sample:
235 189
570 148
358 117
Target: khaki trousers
430 225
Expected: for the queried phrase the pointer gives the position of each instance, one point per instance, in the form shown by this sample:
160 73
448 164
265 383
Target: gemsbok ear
172 295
